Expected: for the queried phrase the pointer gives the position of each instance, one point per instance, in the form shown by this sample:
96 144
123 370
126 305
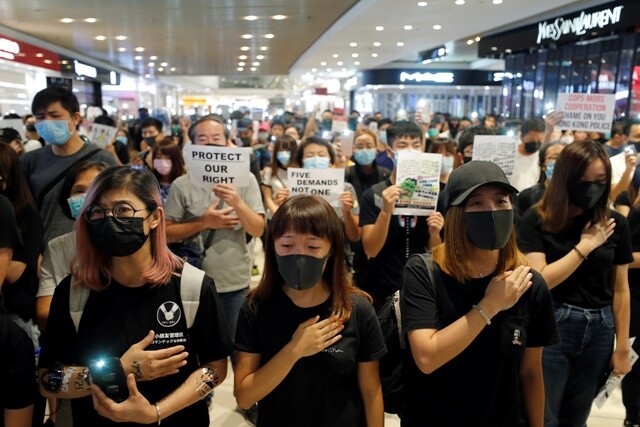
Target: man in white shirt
526 171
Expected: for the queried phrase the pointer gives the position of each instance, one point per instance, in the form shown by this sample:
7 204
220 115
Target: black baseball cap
245 124
9 135
464 180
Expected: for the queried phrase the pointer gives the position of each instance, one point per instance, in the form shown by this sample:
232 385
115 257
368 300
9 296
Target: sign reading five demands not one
590 112
326 183
208 166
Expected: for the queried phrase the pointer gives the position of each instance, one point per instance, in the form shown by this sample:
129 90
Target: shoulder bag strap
78 296
190 286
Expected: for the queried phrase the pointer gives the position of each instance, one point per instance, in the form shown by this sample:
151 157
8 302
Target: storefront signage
85 70
25 53
427 77
578 25
9 49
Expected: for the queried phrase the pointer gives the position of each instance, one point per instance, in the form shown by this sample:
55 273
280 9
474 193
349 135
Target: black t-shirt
17 367
481 386
320 390
20 297
529 197
591 285
9 234
118 317
361 181
407 235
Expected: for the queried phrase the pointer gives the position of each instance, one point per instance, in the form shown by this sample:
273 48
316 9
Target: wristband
158 413
484 315
580 254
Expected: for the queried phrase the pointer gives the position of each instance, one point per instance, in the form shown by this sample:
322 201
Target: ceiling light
256 64
153 58
160 69
259 56
147 76
241 64
278 17
244 48
242 57
100 38
39 55
253 68
379 28
469 42
122 49
437 27
459 2
264 48
164 64
151 64
478 38
494 48
353 44
340 63
507 50
356 63
173 69
377 44
400 44
247 36
66 20
314 70
374 55
90 20
240 69
335 55
354 55
138 58
323 63
408 27
139 49
270 36
250 18
422 3
497 1
121 38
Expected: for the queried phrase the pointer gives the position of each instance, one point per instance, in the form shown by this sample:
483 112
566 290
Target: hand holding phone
108 374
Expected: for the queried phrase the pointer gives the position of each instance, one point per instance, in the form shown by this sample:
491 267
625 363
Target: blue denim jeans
231 303
574 367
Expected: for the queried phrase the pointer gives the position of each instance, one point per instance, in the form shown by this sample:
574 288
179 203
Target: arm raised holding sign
252 222
351 228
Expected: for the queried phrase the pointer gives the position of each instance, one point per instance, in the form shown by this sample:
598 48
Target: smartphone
107 373
630 150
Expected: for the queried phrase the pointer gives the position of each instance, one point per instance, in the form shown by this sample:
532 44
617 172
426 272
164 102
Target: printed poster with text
418 175
498 149
589 112
326 183
208 166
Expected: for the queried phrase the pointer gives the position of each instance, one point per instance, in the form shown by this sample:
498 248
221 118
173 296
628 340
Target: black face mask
489 229
585 195
246 141
300 271
150 140
532 147
31 127
467 159
118 239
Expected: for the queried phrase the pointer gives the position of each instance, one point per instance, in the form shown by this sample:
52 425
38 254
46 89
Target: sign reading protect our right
209 165
590 112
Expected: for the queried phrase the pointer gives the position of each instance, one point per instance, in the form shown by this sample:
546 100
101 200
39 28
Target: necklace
491 270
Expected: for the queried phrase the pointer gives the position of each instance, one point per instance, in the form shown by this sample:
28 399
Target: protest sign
339 124
209 165
373 126
346 142
426 110
590 112
326 183
102 135
418 175
497 149
15 124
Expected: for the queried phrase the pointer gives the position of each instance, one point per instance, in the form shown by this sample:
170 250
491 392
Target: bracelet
158 413
484 315
580 254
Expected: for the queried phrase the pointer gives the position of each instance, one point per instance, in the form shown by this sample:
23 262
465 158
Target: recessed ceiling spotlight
242 57
497 1
379 28
253 68
323 63
314 70
494 48
478 38
408 27
250 18
278 17
121 38
469 42
356 63
353 44
340 63
335 55
508 51
264 48
160 69
437 27
122 49
247 36
240 69
270 36
459 2
377 44
172 69
256 64
100 38
259 56
139 49
90 20
244 48
153 57
422 3
147 76
164 64
66 20
354 55
241 64
400 44
138 58
151 64
374 55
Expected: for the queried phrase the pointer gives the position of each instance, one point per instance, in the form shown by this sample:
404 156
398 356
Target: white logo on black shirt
169 314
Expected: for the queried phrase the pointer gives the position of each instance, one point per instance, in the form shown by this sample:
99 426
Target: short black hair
467 136
314 140
617 128
53 94
628 124
384 121
151 122
401 128
534 124
105 120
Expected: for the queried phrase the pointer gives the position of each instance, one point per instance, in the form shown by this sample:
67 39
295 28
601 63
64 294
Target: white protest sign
426 110
326 183
346 142
102 135
498 149
208 165
418 175
373 126
614 380
339 124
590 112
15 124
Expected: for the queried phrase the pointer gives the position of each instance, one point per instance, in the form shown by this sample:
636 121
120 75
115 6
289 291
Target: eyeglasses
123 212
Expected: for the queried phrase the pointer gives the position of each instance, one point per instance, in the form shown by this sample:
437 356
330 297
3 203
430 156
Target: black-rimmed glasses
122 212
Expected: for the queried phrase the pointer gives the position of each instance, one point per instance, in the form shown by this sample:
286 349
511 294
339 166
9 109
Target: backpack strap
398 314
190 286
78 296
